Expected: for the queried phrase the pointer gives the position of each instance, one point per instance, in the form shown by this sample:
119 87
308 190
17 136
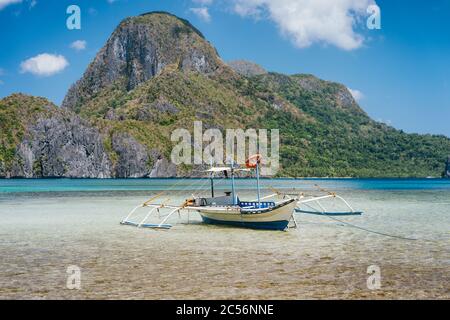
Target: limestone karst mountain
157 73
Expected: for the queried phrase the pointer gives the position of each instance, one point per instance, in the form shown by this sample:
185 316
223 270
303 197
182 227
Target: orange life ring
253 160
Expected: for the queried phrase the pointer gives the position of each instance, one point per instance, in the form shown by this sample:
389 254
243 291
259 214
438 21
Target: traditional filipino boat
267 215
230 210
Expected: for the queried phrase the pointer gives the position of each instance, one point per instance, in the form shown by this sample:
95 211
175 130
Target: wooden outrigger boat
230 210
268 215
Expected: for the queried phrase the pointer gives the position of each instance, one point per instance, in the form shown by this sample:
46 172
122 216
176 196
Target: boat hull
271 225
276 219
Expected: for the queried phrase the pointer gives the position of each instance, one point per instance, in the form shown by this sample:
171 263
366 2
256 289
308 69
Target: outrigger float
313 205
232 211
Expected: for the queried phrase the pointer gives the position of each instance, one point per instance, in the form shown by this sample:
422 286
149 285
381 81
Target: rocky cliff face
135 161
138 50
41 140
62 145
246 68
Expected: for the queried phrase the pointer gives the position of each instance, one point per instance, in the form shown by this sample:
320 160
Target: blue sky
400 73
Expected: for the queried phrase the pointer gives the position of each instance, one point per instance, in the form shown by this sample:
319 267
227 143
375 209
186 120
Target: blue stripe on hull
273 225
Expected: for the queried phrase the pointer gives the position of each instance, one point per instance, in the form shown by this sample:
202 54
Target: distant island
156 73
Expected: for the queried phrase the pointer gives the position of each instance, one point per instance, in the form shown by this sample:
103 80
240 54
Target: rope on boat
203 182
353 225
159 194
370 231
381 233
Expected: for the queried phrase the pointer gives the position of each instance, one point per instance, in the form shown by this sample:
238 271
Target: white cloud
357 95
4 3
78 45
307 22
201 13
44 64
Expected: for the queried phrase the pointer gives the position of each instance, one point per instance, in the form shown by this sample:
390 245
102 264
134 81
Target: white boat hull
275 219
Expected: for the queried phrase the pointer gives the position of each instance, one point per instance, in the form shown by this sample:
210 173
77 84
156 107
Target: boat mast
232 182
211 177
212 184
257 183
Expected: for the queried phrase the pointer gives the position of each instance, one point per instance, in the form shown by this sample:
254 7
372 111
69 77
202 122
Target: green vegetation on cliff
17 112
343 140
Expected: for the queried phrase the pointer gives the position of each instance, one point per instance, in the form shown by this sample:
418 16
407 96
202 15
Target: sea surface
49 225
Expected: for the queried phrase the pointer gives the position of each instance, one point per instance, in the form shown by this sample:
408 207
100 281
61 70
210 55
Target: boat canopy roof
221 169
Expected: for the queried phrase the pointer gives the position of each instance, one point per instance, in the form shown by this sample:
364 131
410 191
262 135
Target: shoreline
237 178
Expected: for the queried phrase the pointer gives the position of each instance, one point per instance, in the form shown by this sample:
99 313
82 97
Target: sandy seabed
41 235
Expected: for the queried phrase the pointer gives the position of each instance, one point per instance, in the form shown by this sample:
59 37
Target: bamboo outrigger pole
153 198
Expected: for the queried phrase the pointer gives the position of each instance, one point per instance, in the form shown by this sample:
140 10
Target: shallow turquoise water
60 185
49 224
